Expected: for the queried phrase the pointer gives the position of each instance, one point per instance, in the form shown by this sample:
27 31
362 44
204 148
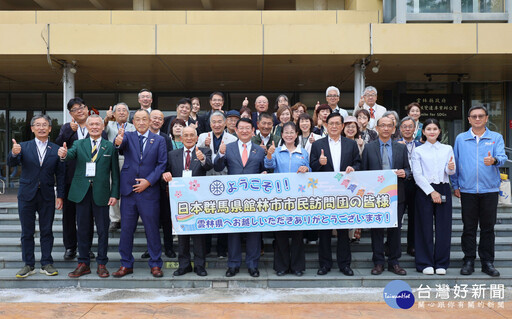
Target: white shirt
41 149
82 132
430 165
98 142
185 156
145 141
265 139
241 148
342 112
379 111
335 148
476 136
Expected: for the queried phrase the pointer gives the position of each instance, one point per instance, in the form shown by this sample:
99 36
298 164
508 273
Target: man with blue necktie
145 159
41 167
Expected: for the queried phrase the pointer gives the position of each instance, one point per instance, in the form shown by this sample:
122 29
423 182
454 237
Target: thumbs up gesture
361 101
271 150
16 148
245 102
208 140
74 125
311 139
323 159
110 114
263 146
451 164
63 151
222 148
119 137
317 105
199 154
489 160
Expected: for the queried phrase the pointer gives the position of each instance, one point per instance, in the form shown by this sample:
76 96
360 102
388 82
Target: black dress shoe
169 253
397 270
70 254
347 271
254 272
182 271
91 255
200 271
281 273
298 273
114 226
411 251
489 269
231 272
322 271
467 268
145 255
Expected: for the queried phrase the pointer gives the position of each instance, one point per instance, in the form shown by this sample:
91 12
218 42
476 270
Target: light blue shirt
390 150
284 161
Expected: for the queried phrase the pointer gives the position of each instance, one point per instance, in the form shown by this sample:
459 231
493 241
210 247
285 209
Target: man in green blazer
97 164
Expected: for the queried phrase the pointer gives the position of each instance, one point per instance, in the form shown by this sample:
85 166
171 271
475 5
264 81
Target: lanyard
41 156
304 140
82 131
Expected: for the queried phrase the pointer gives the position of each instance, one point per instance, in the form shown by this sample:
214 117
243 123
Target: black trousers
410 207
479 209
289 257
222 244
184 250
69 234
394 241
165 218
88 213
428 215
343 254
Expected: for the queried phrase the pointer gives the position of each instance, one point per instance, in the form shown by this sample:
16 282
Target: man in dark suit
387 154
41 167
407 130
216 104
97 165
242 157
334 153
183 108
144 162
69 133
196 162
145 99
156 119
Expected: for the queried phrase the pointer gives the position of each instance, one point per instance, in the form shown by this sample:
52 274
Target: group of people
110 172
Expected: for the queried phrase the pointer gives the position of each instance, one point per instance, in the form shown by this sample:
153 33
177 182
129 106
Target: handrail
2 191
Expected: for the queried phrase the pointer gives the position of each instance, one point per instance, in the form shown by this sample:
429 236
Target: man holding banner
334 153
189 161
242 158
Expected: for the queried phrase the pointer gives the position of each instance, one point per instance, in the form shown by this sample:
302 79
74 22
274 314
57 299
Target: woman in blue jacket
288 158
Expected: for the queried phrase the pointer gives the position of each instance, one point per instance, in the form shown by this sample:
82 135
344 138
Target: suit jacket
203 124
34 175
112 130
107 169
175 162
233 161
150 166
372 160
226 138
168 141
166 127
349 155
67 135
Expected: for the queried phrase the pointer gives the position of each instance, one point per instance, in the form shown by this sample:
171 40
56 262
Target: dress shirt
41 149
342 112
192 150
145 139
379 111
82 132
284 161
335 148
265 139
241 148
98 142
430 165
410 148
390 150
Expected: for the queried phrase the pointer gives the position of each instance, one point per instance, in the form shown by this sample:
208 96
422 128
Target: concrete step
141 278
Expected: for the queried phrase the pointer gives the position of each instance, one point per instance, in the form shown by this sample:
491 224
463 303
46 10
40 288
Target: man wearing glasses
368 102
332 96
69 133
479 153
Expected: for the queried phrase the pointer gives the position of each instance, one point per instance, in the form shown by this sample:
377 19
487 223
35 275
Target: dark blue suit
233 161
145 204
69 236
36 193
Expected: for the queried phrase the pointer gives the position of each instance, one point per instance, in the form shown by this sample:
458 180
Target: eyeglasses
407 127
334 123
332 95
39 125
477 117
217 100
244 129
77 109
386 126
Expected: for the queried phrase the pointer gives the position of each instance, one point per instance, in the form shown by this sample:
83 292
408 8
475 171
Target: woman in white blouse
432 163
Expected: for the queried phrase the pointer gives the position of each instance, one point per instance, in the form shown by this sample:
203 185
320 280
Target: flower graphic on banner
177 194
380 179
194 185
312 183
302 188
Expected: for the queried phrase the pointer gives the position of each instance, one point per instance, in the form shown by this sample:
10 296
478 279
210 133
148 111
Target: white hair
369 88
121 103
331 88
93 116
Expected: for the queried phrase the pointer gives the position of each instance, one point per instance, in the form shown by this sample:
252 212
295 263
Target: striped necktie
94 153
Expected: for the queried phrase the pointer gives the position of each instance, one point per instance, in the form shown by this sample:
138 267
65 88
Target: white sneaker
428 271
441 271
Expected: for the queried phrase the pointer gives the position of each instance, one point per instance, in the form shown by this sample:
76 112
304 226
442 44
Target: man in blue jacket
479 153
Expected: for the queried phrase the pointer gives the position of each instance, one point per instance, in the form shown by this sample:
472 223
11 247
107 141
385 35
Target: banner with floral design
288 201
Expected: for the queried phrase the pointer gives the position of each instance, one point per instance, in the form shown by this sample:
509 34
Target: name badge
187 173
90 169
